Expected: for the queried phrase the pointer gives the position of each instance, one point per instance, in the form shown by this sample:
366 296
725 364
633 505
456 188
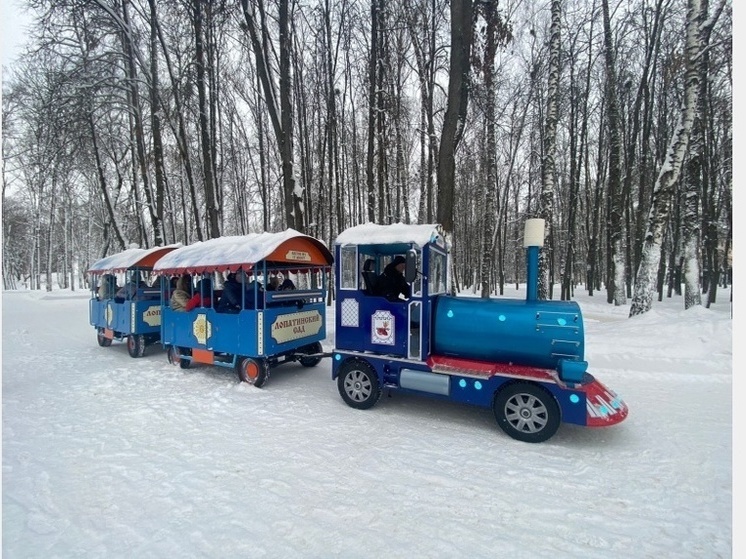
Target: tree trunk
182 142
491 191
138 125
456 109
615 231
213 225
282 122
669 174
548 171
155 119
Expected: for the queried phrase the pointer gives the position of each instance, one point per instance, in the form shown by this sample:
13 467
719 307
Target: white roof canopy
396 233
129 258
243 251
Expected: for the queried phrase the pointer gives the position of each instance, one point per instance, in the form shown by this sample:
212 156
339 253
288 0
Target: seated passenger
288 285
392 284
127 292
230 300
202 296
274 283
108 287
255 286
180 296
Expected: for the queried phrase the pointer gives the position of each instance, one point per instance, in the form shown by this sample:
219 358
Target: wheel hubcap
358 386
252 371
526 413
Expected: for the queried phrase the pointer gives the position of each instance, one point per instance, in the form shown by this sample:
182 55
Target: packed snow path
109 456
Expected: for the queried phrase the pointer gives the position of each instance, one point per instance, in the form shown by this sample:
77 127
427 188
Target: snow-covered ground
109 456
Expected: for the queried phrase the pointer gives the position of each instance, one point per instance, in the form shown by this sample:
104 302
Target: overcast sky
12 29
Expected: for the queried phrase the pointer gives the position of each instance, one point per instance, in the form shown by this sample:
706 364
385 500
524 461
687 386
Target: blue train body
523 359
132 314
268 328
544 334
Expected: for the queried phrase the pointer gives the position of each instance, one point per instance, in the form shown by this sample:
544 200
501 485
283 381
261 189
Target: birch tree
645 283
698 183
615 283
548 171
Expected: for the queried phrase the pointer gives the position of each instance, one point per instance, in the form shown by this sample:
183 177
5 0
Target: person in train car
273 284
230 300
181 295
108 287
202 296
391 284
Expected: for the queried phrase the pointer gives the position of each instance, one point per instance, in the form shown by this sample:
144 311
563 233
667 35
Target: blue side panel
204 328
252 333
146 316
478 392
97 313
289 328
572 404
366 323
130 317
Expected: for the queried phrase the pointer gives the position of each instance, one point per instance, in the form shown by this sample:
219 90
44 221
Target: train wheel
253 371
136 345
527 412
311 349
103 341
358 384
174 357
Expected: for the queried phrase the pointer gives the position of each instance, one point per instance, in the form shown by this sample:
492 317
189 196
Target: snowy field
107 456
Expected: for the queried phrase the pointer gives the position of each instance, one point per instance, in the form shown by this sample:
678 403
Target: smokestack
533 240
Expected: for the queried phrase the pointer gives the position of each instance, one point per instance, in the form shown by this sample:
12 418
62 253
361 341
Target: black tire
103 341
174 357
358 384
527 412
136 345
252 371
311 349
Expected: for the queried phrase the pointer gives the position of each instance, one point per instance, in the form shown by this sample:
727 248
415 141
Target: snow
229 252
108 456
123 260
372 233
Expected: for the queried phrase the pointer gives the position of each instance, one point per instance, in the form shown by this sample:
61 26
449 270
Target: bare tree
615 229
645 285
282 121
462 32
206 137
548 171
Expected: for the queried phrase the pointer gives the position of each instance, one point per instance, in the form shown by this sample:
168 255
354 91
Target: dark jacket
391 283
230 300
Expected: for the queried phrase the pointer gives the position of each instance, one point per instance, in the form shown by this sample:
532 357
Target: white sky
13 24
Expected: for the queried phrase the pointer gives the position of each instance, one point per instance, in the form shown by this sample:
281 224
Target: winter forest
144 122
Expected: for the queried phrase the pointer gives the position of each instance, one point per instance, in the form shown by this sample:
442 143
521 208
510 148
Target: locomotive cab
369 321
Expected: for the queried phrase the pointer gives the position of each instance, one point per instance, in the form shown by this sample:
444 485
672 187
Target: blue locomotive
523 359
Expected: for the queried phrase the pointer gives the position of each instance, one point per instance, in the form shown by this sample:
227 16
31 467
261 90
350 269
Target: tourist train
524 359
